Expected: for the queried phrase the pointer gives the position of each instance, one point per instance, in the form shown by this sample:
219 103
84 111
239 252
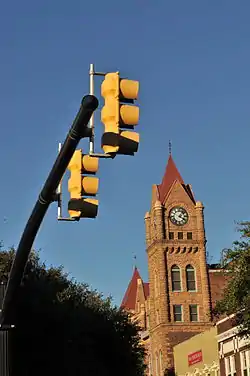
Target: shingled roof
129 299
171 175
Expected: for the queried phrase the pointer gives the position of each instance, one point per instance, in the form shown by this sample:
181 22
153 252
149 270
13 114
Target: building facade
234 351
198 356
177 302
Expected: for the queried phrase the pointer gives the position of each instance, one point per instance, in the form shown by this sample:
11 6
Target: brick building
177 302
234 351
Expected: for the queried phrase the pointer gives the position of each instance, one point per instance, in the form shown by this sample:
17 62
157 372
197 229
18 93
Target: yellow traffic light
116 115
78 186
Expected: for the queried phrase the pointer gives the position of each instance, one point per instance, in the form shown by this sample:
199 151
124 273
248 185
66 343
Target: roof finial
170 147
135 260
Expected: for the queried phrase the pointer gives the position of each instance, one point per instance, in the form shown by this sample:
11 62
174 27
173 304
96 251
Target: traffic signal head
118 113
80 185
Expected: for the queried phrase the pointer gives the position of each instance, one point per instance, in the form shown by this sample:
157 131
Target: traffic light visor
129 115
90 164
90 185
129 143
129 89
84 208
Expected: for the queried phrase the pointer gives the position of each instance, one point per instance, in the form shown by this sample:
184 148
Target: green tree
64 328
236 297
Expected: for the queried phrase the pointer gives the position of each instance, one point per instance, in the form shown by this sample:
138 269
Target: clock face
178 216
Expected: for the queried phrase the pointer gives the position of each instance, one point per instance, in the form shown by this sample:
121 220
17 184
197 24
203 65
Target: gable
180 193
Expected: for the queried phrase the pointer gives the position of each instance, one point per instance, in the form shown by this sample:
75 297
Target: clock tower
179 303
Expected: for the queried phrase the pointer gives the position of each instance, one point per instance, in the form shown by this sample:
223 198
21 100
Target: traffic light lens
129 89
90 164
129 115
90 185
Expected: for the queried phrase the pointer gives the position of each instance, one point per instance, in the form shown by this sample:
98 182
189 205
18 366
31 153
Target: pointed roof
171 175
129 299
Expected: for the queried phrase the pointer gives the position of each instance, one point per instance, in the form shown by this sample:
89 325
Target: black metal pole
4 339
4 352
78 130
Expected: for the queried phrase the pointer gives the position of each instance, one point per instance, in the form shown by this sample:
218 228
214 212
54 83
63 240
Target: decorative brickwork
182 286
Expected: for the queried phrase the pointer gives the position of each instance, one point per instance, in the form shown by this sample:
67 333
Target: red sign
194 358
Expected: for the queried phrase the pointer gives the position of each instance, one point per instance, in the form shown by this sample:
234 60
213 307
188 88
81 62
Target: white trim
225 319
231 361
215 270
228 334
247 351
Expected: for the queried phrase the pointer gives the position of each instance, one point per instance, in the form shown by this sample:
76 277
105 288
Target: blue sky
192 59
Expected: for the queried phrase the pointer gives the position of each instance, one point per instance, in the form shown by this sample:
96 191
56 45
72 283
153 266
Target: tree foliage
236 297
63 327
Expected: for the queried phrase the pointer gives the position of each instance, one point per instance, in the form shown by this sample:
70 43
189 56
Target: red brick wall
218 281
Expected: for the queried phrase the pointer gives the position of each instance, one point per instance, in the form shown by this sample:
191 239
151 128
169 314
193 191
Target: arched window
190 276
176 278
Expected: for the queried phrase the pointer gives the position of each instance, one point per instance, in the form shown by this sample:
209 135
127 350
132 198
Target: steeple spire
129 299
130 295
135 261
170 147
171 174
